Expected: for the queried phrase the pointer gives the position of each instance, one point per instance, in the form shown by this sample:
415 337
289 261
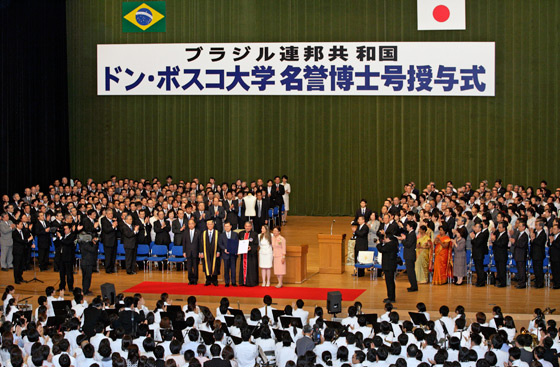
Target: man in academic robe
210 253
109 240
192 251
249 263
230 259
500 246
538 252
361 235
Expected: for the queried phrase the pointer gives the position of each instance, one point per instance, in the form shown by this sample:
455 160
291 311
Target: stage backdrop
334 149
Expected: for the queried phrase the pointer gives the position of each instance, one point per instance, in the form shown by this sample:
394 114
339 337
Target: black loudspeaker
334 302
108 290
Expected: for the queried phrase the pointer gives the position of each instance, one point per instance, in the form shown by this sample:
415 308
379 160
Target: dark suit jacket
222 244
20 243
216 362
276 198
176 228
555 249
43 237
264 210
89 253
520 247
409 244
361 238
218 218
162 234
129 320
143 236
91 316
128 237
68 248
500 245
231 212
201 223
359 213
191 248
538 246
89 227
108 233
480 245
390 249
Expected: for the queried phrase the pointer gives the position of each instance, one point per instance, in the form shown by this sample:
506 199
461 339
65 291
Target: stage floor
303 230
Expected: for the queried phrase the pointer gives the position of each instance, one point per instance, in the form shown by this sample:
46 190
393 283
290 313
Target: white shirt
246 354
285 354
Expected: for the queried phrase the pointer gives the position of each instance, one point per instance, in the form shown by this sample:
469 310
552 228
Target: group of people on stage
498 225
127 333
200 218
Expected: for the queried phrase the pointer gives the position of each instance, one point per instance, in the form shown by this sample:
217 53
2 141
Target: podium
331 253
296 264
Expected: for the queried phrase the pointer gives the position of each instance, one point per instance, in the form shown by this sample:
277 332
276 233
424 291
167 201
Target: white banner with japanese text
314 68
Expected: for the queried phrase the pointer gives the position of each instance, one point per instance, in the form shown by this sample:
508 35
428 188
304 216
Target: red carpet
250 292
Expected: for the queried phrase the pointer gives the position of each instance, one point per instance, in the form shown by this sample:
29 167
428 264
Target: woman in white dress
286 197
265 255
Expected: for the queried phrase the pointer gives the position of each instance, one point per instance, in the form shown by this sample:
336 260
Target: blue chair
51 250
158 254
401 255
271 218
78 255
177 256
120 252
367 265
100 254
276 214
142 254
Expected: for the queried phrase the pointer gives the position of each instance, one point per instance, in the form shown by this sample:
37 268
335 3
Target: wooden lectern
331 253
296 264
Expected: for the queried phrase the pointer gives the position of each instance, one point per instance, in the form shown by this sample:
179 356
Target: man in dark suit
178 227
129 238
21 238
67 256
42 231
500 244
479 242
363 211
216 361
229 259
538 244
450 220
129 319
200 216
389 247
230 206
161 228
191 251
92 315
554 253
218 214
360 234
519 249
409 254
57 224
261 210
144 228
109 240
279 192
89 250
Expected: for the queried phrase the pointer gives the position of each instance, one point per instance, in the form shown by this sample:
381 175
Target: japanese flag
441 14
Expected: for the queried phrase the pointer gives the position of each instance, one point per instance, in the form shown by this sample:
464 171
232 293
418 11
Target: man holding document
229 242
249 251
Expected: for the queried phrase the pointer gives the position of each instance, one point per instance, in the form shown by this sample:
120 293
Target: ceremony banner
310 68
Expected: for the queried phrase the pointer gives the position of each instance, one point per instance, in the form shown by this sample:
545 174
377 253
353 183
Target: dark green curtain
334 149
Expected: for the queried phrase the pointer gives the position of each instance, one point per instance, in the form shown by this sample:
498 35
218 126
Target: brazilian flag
146 16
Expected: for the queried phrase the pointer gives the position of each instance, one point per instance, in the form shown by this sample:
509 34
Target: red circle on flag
441 13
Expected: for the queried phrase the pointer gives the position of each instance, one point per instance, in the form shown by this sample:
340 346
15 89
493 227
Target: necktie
210 236
259 213
363 211
228 235
191 235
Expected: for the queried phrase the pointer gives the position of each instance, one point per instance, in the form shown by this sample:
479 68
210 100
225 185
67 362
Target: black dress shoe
4 269
227 285
18 282
500 285
206 284
412 289
556 286
234 285
538 286
388 300
88 294
480 284
215 284
520 286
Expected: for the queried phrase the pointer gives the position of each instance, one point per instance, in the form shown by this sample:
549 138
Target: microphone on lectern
332 225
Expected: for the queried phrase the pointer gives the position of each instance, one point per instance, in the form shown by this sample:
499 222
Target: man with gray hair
6 241
305 343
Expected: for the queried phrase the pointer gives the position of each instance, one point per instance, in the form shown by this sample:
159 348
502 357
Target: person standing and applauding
389 247
279 253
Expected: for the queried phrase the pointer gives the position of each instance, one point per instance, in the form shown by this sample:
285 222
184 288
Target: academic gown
210 262
249 263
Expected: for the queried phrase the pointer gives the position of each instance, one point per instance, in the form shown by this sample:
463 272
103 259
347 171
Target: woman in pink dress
279 253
